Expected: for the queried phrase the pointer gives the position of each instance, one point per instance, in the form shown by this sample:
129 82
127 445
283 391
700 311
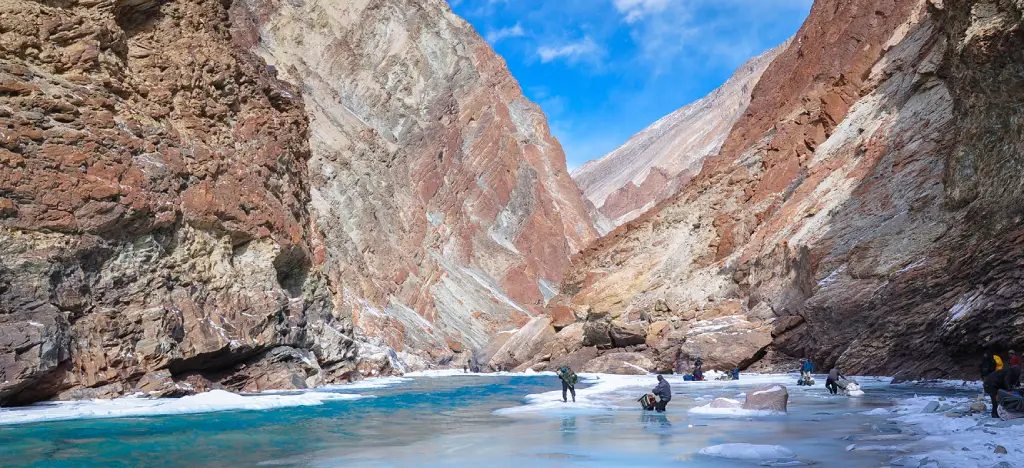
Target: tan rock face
444 204
655 163
846 212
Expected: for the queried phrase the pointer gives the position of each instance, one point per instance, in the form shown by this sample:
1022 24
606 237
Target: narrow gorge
264 195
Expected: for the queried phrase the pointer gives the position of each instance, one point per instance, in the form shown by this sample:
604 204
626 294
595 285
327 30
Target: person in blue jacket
664 393
805 370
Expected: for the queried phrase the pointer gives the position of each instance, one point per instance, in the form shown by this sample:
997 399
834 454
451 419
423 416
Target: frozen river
472 421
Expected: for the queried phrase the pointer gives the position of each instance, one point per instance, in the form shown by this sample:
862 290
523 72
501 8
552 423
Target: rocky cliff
656 162
446 209
260 195
864 211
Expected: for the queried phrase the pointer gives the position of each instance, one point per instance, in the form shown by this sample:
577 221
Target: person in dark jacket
664 393
833 377
988 364
1003 379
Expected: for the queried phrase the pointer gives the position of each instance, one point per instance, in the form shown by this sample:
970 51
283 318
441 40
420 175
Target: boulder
562 316
281 368
575 360
160 384
484 355
773 397
725 403
524 344
597 333
725 343
625 334
567 340
663 343
620 363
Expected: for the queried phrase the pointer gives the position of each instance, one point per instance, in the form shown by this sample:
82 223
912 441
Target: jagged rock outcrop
155 202
178 213
445 205
655 163
864 211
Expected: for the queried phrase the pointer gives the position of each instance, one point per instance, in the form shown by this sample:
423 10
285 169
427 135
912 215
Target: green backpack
568 376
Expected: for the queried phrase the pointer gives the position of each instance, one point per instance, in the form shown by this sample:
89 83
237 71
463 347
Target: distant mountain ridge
655 162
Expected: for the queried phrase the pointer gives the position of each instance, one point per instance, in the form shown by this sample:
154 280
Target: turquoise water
451 422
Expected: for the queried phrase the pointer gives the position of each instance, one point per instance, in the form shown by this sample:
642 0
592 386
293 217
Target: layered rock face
178 213
865 211
655 163
153 204
446 208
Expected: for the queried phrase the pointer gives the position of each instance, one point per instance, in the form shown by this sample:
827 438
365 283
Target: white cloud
571 52
635 10
496 35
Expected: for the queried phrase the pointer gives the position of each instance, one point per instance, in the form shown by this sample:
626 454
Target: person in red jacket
1014 359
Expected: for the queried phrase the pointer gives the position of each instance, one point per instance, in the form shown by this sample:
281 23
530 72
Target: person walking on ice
569 379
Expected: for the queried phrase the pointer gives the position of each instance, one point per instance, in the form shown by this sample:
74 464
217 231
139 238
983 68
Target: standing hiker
1014 359
569 379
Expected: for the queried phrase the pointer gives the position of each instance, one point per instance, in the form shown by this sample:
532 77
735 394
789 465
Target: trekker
988 365
833 377
569 379
805 369
999 361
735 373
1003 379
664 393
698 364
1014 359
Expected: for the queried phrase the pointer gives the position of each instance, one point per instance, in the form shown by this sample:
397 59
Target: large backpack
568 376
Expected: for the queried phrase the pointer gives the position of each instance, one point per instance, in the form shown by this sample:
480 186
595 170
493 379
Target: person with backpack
664 393
569 379
806 367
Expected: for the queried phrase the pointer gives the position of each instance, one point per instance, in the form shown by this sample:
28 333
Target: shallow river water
472 421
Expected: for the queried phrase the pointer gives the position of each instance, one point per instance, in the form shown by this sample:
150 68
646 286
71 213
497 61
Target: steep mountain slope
173 216
865 211
654 163
447 211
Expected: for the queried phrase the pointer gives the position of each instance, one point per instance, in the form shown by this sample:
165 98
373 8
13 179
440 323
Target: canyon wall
864 211
445 205
660 159
200 194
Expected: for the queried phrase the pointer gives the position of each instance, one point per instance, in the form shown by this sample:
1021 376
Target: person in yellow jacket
999 362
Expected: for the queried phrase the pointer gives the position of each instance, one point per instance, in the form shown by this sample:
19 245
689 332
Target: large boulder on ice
748 452
625 334
725 343
620 363
524 344
767 398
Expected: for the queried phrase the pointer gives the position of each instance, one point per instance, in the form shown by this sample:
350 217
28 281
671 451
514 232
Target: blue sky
603 70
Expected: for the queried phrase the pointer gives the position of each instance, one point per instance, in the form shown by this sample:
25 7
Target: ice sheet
748 452
216 400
